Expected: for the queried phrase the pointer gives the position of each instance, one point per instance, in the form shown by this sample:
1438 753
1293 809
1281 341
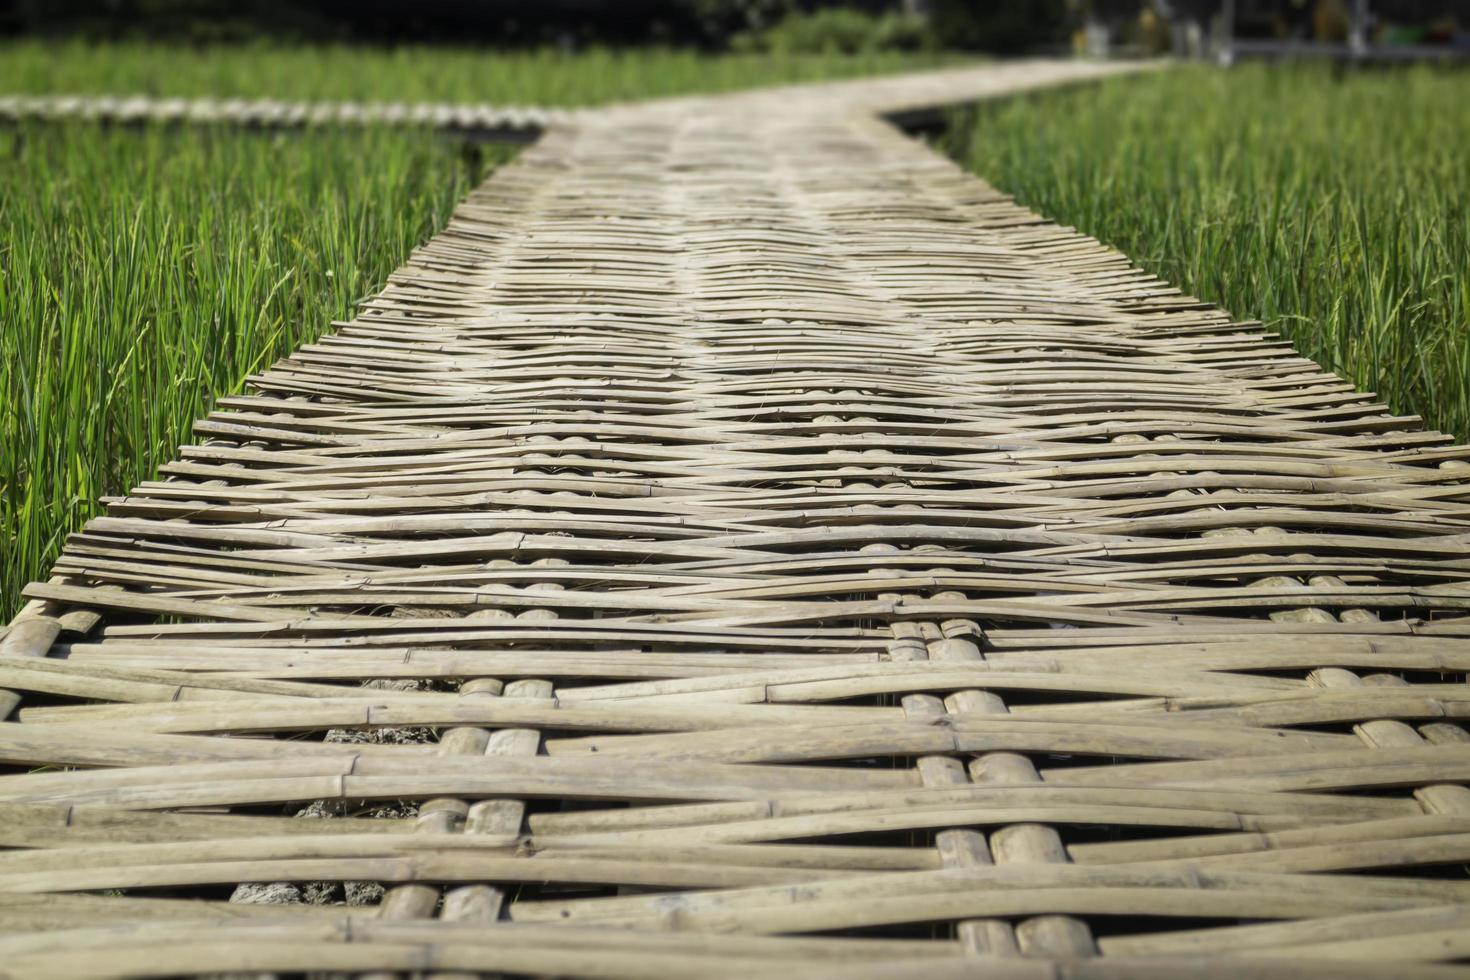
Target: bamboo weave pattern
744 542
498 122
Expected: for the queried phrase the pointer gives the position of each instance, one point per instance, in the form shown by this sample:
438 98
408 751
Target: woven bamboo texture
744 543
495 122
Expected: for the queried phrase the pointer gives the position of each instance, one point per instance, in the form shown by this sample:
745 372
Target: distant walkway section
515 123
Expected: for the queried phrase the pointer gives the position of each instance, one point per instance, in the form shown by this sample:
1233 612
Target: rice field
1335 208
144 274
141 275
420 74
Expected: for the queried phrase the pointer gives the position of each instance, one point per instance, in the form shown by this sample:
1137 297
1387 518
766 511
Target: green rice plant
420 74
144 274
1335 207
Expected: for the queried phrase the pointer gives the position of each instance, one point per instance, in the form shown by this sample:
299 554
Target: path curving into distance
766 548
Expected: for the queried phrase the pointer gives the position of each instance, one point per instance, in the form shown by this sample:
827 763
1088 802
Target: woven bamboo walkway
515 123
744 542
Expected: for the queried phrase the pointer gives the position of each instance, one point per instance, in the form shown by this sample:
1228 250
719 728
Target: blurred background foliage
800 26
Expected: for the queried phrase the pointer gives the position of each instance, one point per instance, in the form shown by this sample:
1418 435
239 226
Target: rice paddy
1333 207
141 275
420 74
